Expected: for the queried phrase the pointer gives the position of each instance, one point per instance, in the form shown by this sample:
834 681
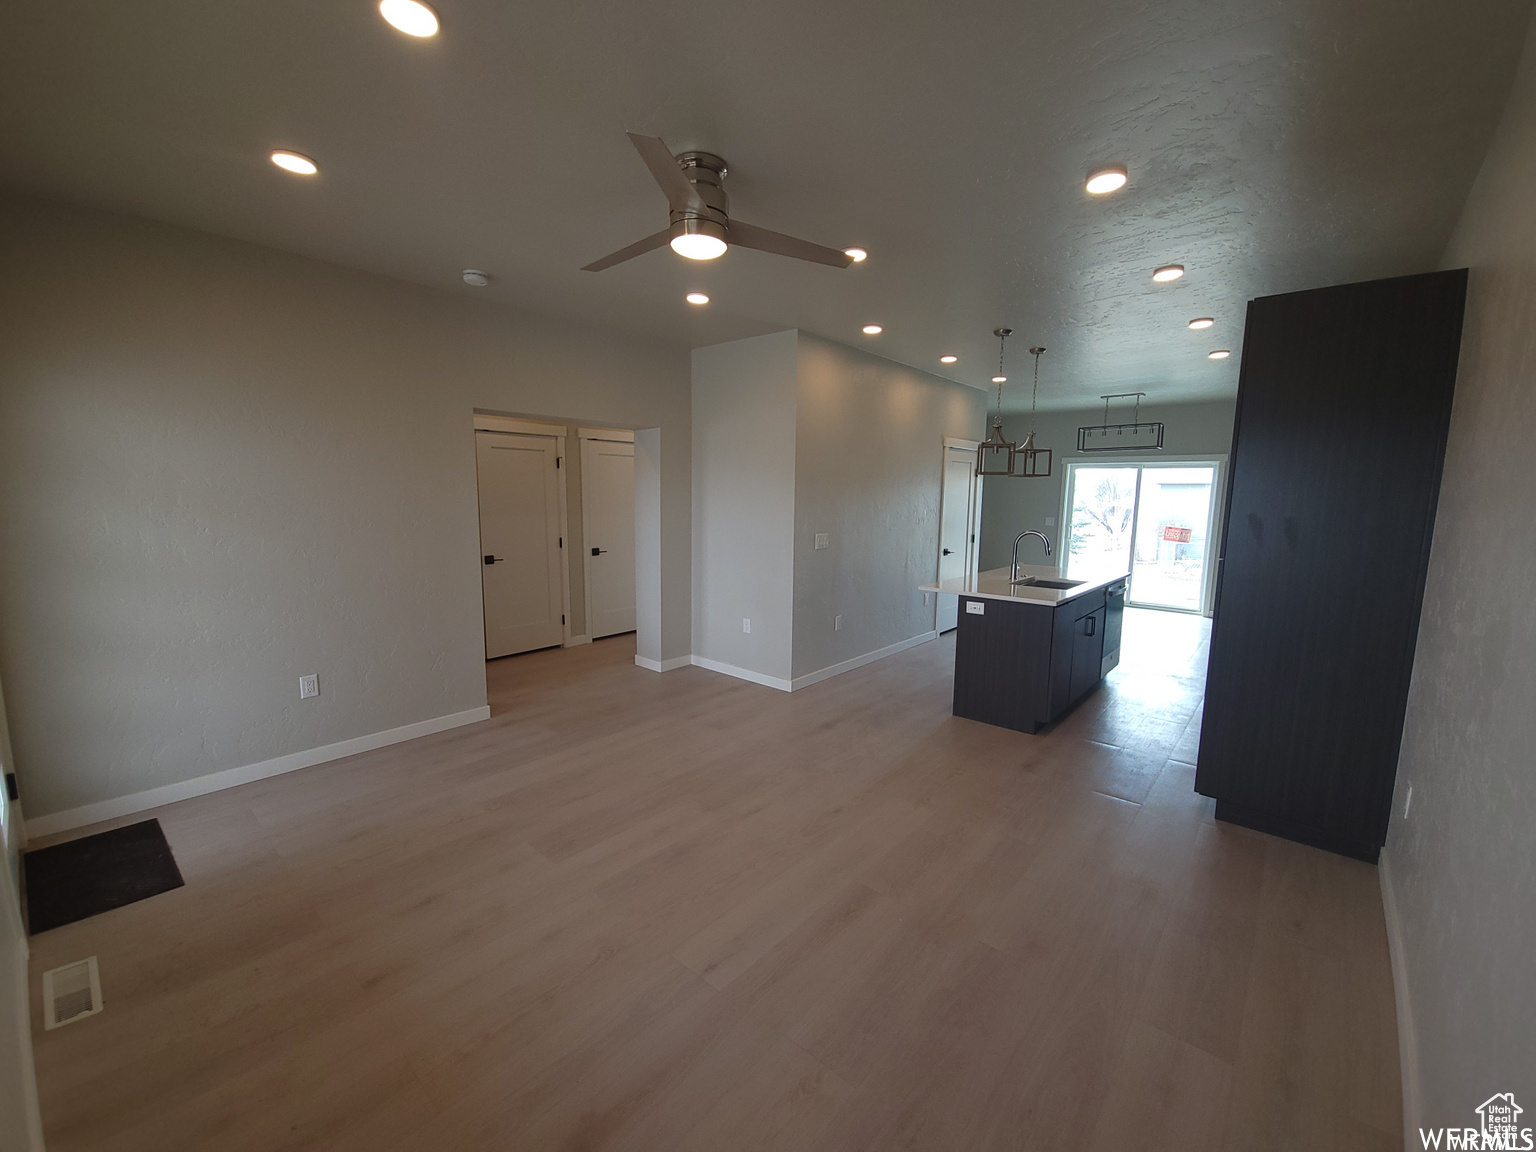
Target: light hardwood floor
681 912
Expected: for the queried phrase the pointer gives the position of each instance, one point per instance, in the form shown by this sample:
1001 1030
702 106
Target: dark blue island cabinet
1343 407
1022 664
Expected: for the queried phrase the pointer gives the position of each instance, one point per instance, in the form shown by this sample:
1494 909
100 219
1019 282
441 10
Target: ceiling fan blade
664 167
638 248
764 240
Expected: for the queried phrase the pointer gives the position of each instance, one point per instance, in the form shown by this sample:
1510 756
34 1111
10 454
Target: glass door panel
1101 516
1171 525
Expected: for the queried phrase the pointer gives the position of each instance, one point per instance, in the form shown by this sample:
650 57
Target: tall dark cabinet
1342 413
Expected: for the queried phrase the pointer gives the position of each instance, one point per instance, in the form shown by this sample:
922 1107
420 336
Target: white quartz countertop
994 585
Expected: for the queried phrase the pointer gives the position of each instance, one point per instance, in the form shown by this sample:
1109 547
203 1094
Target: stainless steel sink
1036 582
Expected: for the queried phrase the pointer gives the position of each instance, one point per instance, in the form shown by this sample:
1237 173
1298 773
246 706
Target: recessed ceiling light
410 16
696 298
1219 354
948 359
999 379
857 255
1201 322
1106 180
295 163
873 329
1168 272
476 278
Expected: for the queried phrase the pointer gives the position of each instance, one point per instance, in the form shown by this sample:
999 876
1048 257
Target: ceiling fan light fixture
409 16
696 298
295 162
698 239
1103 181
1201 322
1168 273
873 329
857 255
948 359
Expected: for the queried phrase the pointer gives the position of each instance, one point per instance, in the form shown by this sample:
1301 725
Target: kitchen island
1027 652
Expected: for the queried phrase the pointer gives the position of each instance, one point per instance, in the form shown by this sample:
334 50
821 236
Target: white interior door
608 530
957 526
519 485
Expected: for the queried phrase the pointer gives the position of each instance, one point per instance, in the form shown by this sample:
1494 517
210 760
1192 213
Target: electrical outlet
309 686
1050 521
823 540
1407 801
746 625
837 623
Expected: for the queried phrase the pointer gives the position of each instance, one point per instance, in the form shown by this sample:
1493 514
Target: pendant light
1029 462
994 455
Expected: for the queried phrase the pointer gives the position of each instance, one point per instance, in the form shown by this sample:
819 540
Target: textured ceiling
1272 146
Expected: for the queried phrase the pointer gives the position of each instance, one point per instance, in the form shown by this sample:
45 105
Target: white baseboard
574 641
741 673
810 678
664 665
1407 1038
53 822
831 670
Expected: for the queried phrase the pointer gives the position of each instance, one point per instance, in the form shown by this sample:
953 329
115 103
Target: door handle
1093 626
945 552
599 551
495 559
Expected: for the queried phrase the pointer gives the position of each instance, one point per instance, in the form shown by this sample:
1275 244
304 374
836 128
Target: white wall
744 503
869 464
222 466
1460 871
1010 505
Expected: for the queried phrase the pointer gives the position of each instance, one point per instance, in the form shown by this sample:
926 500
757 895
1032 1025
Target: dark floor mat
94 874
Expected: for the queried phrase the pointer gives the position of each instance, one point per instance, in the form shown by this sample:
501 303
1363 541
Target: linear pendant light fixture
994 455
1029 462
1107 437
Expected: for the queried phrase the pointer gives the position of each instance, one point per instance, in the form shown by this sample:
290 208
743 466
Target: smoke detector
476 278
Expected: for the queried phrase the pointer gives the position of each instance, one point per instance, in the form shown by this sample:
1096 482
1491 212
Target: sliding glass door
1155 520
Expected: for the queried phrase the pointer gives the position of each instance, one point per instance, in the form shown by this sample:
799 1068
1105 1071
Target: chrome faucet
1030 532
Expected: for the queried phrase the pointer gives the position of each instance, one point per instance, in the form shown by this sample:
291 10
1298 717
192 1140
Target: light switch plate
823 540
975 607
837 623
1050 521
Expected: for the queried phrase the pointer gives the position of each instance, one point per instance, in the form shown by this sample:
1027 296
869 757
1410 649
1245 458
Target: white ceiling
1272 146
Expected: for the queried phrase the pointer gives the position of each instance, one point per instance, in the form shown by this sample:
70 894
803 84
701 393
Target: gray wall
1009 506
222 466
868 471
1460 870
744 502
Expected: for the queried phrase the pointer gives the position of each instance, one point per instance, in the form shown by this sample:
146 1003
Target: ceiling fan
701 227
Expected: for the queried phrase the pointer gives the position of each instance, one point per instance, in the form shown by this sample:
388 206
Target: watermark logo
1499 1128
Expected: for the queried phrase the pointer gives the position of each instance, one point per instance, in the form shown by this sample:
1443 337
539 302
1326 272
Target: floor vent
71 993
